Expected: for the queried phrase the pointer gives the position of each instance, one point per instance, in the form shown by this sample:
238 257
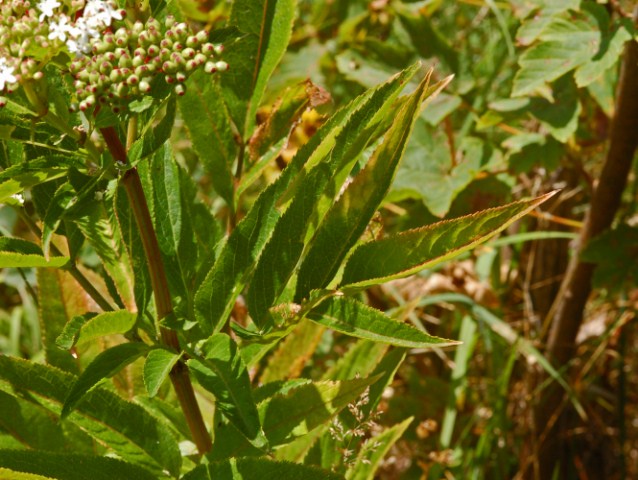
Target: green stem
163 304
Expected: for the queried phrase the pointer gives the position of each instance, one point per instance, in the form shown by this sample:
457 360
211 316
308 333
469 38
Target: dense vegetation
318 239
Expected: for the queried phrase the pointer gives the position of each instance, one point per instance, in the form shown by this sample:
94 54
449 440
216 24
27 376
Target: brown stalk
179 374
569 306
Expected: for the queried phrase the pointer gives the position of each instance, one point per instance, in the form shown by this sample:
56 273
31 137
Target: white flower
6 74
99 14
60 28
80 36
47 7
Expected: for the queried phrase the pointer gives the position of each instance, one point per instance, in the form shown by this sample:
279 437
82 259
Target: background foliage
308 171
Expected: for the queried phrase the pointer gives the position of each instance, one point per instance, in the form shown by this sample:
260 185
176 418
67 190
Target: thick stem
163 304
576 286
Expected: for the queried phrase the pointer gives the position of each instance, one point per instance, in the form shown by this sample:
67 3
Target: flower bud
169 21
180 77
219 49
169 67
221 66
153 51
133 80
188 53
3 102
202 36
180 89
145 85
210 67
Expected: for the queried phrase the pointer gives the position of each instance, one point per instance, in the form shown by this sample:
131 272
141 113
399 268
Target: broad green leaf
19 260
285 247
431 173
128 429
351 317
172 223
105 365
67 466
57 304
142 289
18 253
158 365
20 177
346 221
99 226
373 451
216 296
14 475
408 252
107 323
222 372
64 198
154 136
32 425
304 408
259 469
580 40
267 27
292 415
83 330
206 119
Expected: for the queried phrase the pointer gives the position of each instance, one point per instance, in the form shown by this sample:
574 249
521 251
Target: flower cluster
113 62
123 64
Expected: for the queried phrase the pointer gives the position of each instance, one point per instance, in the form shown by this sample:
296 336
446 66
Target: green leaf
406 253
431 172
292 415
32 425
19 260
283 250
351 317
157 367
106 364
222 372
216 296
373 451
346 221
20 177
154 135
127 429
208 124
259 469
68 466
267 25
54 310
83 330
580 40
63 199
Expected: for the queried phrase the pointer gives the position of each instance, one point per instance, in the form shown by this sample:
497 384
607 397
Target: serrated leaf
20 177
259 469
346 221
216 296
351 317
373 451
577 39
58 302
154 136
221 371
158 365
406 253
83 330
290 416
285 247
32 425
19 260
207 121
105 365
267 27
68 466
126 428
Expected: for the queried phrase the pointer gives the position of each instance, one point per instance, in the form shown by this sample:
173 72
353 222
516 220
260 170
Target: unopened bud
222 66
188 53
180 89
145 86
180 77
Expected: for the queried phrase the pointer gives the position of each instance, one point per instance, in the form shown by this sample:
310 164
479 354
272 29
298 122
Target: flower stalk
179 374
